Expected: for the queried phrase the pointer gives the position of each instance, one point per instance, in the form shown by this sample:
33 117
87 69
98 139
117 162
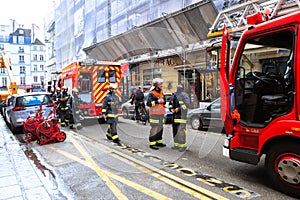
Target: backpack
139 95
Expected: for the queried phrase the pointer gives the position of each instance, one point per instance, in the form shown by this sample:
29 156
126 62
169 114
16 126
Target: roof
187 26
37 42
25 32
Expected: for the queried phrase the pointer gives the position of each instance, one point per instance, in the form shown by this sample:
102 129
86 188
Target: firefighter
64 109
178 105
73 103
110 113
156 101
55 99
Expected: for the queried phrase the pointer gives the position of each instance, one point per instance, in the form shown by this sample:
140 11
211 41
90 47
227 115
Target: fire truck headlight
226 146
85 112
226 142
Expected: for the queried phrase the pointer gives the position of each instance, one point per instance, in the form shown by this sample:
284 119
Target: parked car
4 105
210 116
21 106
128 110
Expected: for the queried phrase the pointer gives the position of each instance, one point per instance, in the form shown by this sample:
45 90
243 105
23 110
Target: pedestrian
64 109
110 113
138 100
73 103
156 102
178 105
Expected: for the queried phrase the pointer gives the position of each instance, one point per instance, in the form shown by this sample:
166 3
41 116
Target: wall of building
17 43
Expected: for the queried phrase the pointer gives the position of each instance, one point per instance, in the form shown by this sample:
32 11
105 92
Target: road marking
169 178
105 174
163 178
117 192
204 178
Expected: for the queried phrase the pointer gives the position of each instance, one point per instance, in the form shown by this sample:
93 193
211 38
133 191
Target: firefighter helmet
58 89
65 87
156 81
74 90
113 86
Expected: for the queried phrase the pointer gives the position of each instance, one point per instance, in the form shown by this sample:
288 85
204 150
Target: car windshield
33 100
216 104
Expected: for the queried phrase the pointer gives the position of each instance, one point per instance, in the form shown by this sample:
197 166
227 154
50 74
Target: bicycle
143 114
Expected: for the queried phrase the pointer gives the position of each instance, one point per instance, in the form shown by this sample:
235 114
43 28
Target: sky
25 12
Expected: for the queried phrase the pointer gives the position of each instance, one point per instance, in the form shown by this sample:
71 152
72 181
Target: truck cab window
85 84
101 76
264 80
112 76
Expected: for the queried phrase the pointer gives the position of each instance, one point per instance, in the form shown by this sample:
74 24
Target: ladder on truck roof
235 16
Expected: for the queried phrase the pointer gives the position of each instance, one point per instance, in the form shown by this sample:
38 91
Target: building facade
27 55
79 24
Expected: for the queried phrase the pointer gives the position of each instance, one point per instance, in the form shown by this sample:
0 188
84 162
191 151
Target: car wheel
125 113
196 123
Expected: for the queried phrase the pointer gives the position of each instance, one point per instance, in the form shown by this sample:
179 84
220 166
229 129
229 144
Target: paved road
87 166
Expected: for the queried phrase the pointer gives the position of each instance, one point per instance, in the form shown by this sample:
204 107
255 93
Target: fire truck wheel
283 167
61 136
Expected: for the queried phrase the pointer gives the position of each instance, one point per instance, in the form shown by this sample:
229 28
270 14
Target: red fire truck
260 88
92 79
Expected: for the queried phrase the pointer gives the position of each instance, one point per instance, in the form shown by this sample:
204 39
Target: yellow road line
164 179
114 176
173 177
117 192
153 169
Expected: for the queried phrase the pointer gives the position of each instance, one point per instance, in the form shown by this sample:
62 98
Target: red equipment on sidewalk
43 130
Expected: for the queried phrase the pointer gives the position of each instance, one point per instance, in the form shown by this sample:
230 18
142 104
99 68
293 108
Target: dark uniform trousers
156 131
110 108
181 102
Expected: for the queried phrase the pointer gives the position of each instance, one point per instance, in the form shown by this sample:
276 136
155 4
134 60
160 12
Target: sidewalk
18 178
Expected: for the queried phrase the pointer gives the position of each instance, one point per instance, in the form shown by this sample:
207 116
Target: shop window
150 74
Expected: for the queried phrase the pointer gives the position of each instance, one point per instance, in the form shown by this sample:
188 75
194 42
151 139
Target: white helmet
74 90
64 87
113 86
156 81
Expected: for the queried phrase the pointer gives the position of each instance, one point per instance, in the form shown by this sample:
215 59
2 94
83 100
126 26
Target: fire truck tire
283 167
61 136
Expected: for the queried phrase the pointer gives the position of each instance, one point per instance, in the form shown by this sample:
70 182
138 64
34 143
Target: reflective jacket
74 102
63 99
181 101
110 105
155 107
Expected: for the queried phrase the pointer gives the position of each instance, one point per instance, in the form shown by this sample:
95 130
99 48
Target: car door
215 114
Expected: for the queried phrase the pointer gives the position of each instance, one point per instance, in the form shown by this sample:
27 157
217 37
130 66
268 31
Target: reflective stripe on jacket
110 105
155 107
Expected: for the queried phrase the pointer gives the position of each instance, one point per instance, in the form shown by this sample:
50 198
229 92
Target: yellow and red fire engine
92 79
